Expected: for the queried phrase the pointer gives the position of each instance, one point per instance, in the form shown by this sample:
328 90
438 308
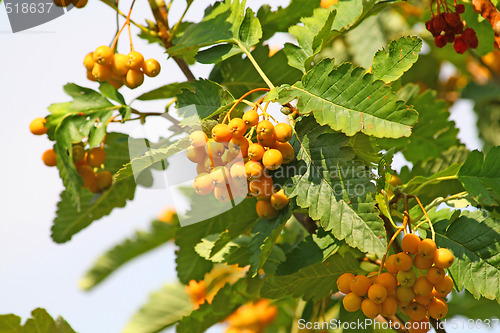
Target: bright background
34 271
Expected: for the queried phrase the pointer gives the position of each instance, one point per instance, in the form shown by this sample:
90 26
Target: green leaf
465 305
481 175
350 13
10 323
122 253
335 187
266 233
484 32
164 308
227 300
69 220
41 322
453 155
389 65
349 100
474 240
110 92
164 92
311 282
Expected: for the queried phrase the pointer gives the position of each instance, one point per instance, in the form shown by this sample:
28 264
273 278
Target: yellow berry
279 200
134 78
237 127
265 210
104 180
344 281
49 158
251 118
370 308
96 157
119 66
352 302
410 243
283 132
151 67
37 126
272 159
135 60
88 61
103 55
443 258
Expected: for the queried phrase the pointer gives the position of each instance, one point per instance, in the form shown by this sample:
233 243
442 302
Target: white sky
34 271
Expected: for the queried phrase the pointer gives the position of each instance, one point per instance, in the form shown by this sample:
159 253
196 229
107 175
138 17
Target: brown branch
307 222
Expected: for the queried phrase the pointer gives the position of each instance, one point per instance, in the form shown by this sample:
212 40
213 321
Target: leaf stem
176 26
119 12
255 64
430 181
427 219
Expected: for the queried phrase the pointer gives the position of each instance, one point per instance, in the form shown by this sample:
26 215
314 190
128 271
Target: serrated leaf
350 100
69 220
311 282
129 249
389 65
479 174
110 92
40 322
163 309
10 323
335 187
474 240
167 91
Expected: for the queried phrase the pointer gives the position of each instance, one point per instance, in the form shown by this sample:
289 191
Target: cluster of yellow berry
252 317
118 69
66 3
86 162
417 296
231 165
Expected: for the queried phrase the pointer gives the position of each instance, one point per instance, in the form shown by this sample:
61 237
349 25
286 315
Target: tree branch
307 222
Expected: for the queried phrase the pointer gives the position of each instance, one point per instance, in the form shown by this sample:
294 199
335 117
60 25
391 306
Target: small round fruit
49 158
265 210
404 294
422 262
410 243
198 138
151 67
218 176
424 300
370 308
388 280
37 126
403 261
88 61
352 302
104 180
238 173
212 162
394 180
78 152
443 258
407 278
279 200
435 275
344 282
283 132
256 151
266 141
438 309
254 170
261 188
360 285
286 150
265 128
389 306
96 157
444 287
103 55
215 149
89 178
390 264
135 60
251 118
196 154
427 248
90 76
417 311
377 293
101 72
119 66
239 145
79 3
220 133
272 159
422 286
117 84
202 184
134 78
223 193
237 127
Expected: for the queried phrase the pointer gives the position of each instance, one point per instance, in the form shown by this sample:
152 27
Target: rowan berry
279 200
49 158
344 283
422 286
89 178
104 180
377 293
444 287
352 302
440 41
79 3
460 45
286 150
265 210
219 176
403 261
421 326
88 61
390 264
421 262
360 285
388 280
103 55
223 193
427 248
238 173
135 60
220 133
119 65
37 126
254 170
389 306
265 129
238 145
460 8
404 294
198 138
151 67
417 311
251 118
134 78
435 275
443 258
266 141
272 159
215 149
370 308
407 278
256 151
196 154
424 300
101 72
212 162
202 184
237 127
438 309
410 243
283 132
261 188
78 152
96 157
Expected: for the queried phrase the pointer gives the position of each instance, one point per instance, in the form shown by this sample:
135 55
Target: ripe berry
388 280
370 308
265 210
427 248
404 294
460 8
254 170
62 3
390 264
443 258
200 168
417 311
377 293
37 126
440 41
151 67
424 300
265 129
444 287
403 261
196 154
389 306
218 176
104 180
410 243
452 19
256 151
407 278
223 193
283 132
266 141
470 37
272 159
134 78
49 158
119 66
88 61
135 60
117 84
360 285
261 188
251 118
421 262
237 127
88 177
103 55
438 308
198 138
239 145
101 72
439 23
202 184
214 149
238 173
79 3
279 200
344 282
422 286
435 275
96 157
286 150
421 326
352 302
78 152
212 162
220 133
460 45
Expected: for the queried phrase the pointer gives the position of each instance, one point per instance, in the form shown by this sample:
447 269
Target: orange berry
424 300
427 248
198 138
96 157
410 243
238 145
215 149
101 73
265 210
256 151
422 262
261 188
403 261
79 3
167 214
328 3
370 308
237 127
254 170
279 200
390 264
238 173
117 84
196 154
344 282
223 193
134 78
435 275
283 132
219 176
202 184
135 60
265 129
251 118
286 150
89 178
103 55
407 278
404 294
212 162
377 293
78 152
444 287
151 67
389 306
272 159
388 280
438 309
266 141
88 61
37 126
352 302
422 286
104 180
90 76
417 311
443 258
119 66
220 133
360 285
49 158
